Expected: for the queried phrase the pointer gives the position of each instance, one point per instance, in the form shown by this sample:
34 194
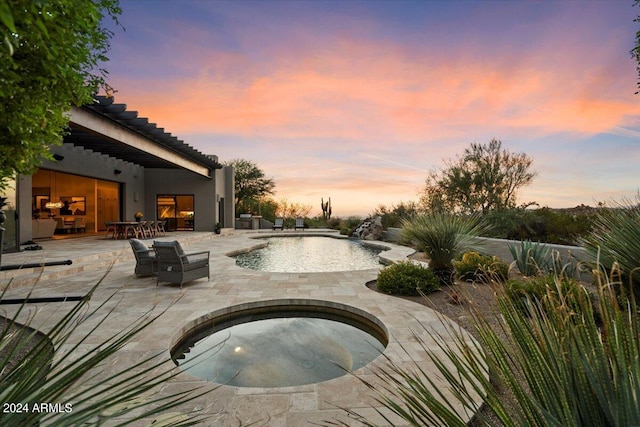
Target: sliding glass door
177 210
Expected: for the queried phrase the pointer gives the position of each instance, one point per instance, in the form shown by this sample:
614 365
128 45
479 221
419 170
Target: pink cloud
358 118
363 91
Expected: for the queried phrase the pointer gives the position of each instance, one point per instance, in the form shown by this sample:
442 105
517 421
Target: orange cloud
373 92
360 119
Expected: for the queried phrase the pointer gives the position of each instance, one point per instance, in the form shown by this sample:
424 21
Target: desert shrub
565 226
348 225
561 369
561 226
545 292
531 258
443 237
476 267
514 224
407 278
393 216
334 223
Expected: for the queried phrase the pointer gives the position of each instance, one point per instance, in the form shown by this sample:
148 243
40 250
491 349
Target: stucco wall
86 163
182 182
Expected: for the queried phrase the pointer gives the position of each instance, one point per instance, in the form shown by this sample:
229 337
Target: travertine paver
229 285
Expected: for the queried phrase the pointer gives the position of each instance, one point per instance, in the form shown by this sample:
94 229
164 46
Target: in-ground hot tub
280 343
307 254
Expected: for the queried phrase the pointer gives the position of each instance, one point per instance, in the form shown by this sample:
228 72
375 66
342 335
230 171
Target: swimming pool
306 254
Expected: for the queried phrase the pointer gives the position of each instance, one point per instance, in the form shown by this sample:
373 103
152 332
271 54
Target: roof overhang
110 129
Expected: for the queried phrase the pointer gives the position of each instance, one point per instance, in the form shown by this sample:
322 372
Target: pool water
306 254
280 352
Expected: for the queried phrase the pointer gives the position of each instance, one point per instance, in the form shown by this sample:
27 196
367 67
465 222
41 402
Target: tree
49 60
250 184
288 209
635 52
486 177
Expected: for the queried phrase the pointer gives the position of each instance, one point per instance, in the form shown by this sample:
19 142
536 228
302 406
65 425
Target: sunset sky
359 100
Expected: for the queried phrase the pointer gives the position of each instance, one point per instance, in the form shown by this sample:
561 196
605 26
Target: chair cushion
142 250
174 243
138 245
192 265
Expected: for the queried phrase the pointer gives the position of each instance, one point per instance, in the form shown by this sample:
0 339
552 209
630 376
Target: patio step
98 255
32 275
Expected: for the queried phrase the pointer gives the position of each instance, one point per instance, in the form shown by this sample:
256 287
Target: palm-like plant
52 369
443 237
559 367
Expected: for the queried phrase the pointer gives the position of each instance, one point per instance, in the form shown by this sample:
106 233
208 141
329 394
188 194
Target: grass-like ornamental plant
615 238
565 363
541 288
54 369
443 237
531 258
476 267
407 278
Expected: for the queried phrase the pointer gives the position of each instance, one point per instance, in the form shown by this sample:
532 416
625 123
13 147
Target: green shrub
334 223
545 292
562 226
473 266
407 278
531 258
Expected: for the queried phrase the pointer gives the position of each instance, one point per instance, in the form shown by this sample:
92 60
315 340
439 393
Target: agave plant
558 368
51 370
443 237
530 258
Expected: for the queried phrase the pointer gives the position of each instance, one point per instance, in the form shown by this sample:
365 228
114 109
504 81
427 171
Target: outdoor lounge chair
299 223
175 266
146 263
278 224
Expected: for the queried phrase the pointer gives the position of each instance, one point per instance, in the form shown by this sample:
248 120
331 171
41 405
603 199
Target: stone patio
95 258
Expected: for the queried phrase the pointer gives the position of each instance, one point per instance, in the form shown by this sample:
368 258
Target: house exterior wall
78 161
183 182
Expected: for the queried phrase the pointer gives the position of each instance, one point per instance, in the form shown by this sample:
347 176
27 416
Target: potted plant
138 216
217 228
